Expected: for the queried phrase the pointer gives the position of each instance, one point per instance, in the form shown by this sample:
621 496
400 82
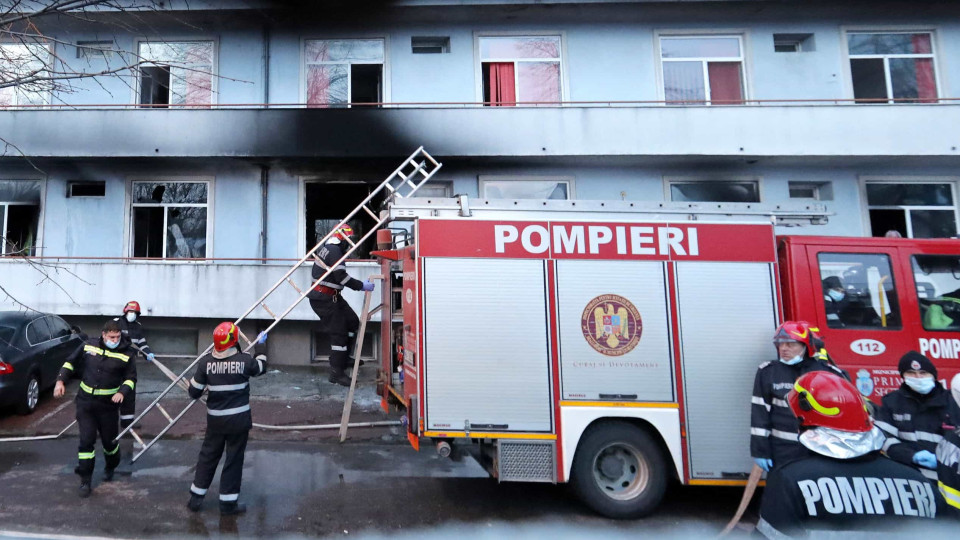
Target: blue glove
925 459
368 286
150 357
764 463
262 338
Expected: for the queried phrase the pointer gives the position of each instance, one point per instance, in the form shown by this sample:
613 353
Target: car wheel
31 395
619 471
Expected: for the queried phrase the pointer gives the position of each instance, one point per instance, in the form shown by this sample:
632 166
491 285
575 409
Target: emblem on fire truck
611 324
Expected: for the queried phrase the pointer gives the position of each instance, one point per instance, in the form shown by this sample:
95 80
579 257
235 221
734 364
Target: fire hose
748 492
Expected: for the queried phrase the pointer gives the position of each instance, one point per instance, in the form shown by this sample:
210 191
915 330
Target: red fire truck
613 345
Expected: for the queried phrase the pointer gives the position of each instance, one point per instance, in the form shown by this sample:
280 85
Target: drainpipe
264 189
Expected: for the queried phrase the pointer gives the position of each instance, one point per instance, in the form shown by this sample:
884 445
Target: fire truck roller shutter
486 345
727 315
614 331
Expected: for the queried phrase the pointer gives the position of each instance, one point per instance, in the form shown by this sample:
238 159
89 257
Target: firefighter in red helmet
337 318
773 428
843 483
225 373
130 326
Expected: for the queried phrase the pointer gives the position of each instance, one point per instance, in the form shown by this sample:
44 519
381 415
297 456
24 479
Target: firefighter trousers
214 446
128 409
341 323
97 416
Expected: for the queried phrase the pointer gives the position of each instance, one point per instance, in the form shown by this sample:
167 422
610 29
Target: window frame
935 53
746 53
47 94
357 37
214 75
668 181
129 233
478 62
483 179
865 206
896 284
38 249
916 292
26 332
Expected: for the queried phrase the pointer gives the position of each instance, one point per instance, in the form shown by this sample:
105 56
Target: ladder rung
272 314
412 185
388 186
401 175
163 412
245 338
349 241
369 211
294 285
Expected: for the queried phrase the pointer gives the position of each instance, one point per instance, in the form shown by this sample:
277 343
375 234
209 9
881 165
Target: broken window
702 70
525 188
170 220
892 66
340 72
715 191
176 73
913 209
19 216
520 69
26 63
326 203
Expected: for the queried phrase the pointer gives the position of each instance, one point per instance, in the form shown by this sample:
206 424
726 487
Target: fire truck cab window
938 291
859 291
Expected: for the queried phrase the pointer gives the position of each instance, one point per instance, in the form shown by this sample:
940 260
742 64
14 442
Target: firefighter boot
232 508
337 376
85 489
108 475
195 502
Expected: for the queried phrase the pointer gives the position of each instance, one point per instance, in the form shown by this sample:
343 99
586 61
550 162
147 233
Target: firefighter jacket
868 493
913 422
226 376
948 469
134 331
103 372
330 253
773 427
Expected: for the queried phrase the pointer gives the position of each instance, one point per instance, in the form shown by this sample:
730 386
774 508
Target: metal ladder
403 182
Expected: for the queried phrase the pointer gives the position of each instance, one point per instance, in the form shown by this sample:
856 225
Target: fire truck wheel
619 471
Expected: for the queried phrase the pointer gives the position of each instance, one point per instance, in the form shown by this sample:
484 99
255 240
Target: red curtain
503 91
926 82
725 83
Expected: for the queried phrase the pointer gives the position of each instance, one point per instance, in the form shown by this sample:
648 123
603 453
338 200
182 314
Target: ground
304 483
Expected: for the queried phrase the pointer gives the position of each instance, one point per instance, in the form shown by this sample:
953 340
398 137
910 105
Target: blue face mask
836 295
112 344
793 361
920 386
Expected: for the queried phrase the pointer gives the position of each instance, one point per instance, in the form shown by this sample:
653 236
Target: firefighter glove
764 463
368 286
262 338
150 357
925 459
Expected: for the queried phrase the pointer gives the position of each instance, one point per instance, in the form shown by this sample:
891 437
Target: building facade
246 129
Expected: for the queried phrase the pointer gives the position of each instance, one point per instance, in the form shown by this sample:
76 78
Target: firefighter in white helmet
773 428
843 483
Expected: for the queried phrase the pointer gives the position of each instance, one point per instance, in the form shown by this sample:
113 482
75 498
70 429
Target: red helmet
132 305
799 332
225 336
342 232
820 398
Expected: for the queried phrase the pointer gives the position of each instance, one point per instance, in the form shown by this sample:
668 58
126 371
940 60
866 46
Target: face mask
836 295
131 316
112 344
920 386
793 361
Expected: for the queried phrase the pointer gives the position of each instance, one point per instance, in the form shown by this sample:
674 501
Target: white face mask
793 361
131 316
920 385
835 295
111 344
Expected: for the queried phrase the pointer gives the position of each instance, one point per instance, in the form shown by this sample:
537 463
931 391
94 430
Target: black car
33 347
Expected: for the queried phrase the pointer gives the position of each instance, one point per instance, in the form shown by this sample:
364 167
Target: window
892 66
520 69
788 43
715 191
436 189
58 327
95 50
22 61
702 69
430 45
344 71
526 188
938 290
87 189
325 204
817 191
176 73
913 209
37 331
170 219
19 216
868 298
